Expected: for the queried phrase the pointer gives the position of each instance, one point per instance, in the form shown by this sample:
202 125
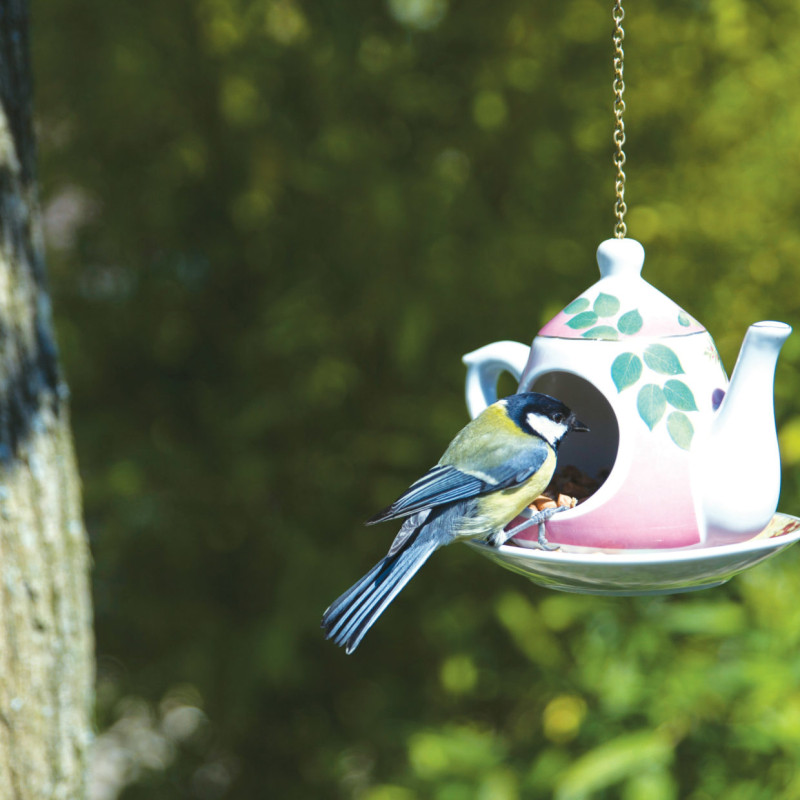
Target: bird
491 471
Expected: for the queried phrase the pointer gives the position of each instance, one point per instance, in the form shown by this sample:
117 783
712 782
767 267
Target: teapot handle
484 367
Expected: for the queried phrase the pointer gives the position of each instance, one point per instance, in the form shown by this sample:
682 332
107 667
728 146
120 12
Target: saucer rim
754 545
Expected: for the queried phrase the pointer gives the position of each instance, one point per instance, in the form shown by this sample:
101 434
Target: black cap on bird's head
542 416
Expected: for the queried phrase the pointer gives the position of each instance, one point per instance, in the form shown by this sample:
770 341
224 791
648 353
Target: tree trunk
46 661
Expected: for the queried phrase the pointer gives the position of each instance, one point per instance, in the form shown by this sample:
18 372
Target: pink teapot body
666 426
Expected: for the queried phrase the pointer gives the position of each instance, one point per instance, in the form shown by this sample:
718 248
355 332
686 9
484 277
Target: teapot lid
621 304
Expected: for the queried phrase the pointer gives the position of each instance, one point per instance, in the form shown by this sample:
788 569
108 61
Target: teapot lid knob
620 258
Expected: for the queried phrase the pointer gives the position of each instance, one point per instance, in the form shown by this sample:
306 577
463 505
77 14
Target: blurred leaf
387 792
459 674
612 762
522 621
562 718
455 750
650 784
710 618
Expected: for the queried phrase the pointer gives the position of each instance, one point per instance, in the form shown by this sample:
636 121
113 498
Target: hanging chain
620 208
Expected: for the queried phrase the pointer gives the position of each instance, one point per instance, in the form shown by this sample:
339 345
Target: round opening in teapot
595 453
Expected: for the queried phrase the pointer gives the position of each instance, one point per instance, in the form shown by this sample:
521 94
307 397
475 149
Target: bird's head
543 416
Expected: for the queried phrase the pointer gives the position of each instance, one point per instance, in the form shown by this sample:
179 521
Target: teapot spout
739 476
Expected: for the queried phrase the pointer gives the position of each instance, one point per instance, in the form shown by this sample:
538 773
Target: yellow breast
497 509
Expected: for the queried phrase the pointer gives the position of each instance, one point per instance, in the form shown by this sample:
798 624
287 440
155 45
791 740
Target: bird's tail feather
350 616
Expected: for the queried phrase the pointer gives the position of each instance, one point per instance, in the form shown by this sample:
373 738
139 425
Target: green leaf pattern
679 395
626 370
651 404
576 306
601 332
661 359
652 399
680 429
586 314
606 305
583 320
630 322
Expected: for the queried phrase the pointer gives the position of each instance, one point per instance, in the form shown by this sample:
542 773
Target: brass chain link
620 229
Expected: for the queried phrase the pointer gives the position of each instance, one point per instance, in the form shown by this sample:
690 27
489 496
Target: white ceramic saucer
644 572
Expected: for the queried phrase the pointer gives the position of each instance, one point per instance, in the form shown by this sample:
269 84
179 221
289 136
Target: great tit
493 469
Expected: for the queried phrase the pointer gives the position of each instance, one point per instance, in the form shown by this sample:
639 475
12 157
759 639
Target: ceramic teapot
690 458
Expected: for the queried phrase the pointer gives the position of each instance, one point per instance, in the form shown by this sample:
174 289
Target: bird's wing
447 484
442 484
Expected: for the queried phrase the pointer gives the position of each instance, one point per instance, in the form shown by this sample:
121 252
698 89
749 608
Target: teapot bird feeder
674 510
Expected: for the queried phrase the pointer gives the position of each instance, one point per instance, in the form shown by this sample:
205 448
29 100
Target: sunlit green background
274 227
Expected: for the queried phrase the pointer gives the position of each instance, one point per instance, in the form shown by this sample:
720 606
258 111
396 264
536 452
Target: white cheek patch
551 432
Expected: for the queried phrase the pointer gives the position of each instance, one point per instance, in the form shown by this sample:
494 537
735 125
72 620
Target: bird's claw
539 518
541 539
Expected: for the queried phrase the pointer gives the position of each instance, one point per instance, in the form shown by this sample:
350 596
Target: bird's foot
539 518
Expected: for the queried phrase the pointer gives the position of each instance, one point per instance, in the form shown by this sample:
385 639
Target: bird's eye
558 418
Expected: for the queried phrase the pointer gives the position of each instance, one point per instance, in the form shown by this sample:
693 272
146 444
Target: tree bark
46 647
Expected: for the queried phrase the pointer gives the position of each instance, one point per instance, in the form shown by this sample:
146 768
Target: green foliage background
274 227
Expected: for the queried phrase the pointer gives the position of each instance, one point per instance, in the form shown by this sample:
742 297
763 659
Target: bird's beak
577 425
